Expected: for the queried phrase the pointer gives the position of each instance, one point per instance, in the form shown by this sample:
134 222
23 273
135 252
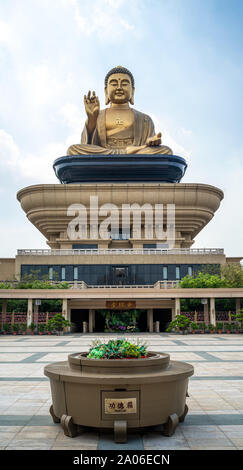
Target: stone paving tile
85 438
34 444
16 357
33 428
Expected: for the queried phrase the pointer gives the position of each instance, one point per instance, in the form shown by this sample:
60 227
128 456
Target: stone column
91 320
212 312
64 308
65 311
237 305
30 312
36 311
205 312
4 310
177 307
150 315
172 313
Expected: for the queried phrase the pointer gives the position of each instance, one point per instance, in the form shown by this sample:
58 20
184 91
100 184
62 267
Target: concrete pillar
91 320
30 312
237 305
172 313
64 308
212 312
205 312
177 306
4 310
65 312
36 311
150 315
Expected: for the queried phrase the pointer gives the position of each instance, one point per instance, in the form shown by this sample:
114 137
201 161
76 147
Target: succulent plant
117 349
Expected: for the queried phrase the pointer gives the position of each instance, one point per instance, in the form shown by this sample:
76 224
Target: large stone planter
118 393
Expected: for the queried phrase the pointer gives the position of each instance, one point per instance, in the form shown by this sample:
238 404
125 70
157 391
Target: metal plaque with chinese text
120 405
120 304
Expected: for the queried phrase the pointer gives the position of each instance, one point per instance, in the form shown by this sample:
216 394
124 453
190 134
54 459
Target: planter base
119 394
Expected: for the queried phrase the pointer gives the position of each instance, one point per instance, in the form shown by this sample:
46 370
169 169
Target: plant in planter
194 327
211 328
219 327
32 328
23 328
15 328
181 323
49 328
236 327
58 323
239 318
6 328
117 349
202 327
228 327
41 328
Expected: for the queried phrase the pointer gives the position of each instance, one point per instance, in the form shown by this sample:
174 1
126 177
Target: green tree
202 280
232 275
181 322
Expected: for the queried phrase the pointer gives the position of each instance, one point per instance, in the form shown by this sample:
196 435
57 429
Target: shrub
32 326
15 327
6 327
23 326
58 322
41 327
181 322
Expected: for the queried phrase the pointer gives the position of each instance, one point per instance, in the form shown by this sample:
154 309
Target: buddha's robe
121 140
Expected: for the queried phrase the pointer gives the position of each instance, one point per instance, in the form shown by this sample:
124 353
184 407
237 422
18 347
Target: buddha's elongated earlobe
132 96
107 99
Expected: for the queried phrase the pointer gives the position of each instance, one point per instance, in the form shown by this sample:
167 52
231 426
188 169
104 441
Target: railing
83 285
123 251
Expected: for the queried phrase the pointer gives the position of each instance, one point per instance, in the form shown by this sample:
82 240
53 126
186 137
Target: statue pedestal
120 168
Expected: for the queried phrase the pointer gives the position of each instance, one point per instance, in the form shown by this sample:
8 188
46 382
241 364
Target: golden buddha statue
118 129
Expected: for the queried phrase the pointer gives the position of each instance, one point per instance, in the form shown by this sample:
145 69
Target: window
189 270
120 234
165 272
178 272
50 274
63 274
75 273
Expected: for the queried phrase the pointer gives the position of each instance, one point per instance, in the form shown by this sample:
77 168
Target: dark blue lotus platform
120 169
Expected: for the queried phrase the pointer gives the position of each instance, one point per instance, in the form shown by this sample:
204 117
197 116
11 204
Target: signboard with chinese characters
120 405
120 304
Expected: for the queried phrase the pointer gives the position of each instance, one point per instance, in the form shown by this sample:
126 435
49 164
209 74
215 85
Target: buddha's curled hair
119 69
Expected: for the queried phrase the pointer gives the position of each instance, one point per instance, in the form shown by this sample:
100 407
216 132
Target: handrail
121 251
83 285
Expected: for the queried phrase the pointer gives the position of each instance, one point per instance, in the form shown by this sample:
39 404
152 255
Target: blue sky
186 57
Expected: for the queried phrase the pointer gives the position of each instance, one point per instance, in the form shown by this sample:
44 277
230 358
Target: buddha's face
119 89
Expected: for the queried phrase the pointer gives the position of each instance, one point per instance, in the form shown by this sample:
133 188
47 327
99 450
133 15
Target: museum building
132 267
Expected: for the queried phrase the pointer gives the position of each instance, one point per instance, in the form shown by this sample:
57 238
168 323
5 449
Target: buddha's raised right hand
92 108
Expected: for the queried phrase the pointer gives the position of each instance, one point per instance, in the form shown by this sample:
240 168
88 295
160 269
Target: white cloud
9 151
167 139
37 167
5 32
103 19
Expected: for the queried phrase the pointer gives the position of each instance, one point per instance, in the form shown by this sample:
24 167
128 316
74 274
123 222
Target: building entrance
120 275
164 316
78 316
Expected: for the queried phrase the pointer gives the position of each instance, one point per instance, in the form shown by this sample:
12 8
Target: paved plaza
214 421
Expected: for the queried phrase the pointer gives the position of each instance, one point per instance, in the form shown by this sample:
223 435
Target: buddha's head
119 86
